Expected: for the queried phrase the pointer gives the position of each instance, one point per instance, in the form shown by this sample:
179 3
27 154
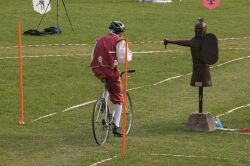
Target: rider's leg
105 94
117 115
113 84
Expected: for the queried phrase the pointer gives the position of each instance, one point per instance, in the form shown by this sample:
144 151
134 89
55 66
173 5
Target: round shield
210 49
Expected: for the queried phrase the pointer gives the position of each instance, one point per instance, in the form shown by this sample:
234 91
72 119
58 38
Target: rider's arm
120 52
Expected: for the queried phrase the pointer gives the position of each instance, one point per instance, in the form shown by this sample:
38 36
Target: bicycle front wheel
129 114
100 122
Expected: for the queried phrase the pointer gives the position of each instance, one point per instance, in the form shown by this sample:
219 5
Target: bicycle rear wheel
129 114
100 122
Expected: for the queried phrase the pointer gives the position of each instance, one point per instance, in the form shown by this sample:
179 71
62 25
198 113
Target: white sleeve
120 52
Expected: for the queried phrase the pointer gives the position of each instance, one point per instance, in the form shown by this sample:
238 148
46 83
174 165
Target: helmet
117 27
200 27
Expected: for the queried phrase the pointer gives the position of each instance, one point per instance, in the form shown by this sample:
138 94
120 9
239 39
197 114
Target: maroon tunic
104 64
104 52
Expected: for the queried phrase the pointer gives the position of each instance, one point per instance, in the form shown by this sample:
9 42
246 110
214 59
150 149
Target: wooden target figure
204 51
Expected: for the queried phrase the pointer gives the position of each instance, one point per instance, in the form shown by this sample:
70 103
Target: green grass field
58 77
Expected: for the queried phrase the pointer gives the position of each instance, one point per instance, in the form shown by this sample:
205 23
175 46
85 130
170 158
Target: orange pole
125 97
21 122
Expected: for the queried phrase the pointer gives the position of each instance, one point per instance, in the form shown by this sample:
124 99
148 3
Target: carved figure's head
200 27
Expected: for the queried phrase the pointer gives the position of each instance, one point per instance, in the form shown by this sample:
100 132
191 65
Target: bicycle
102 117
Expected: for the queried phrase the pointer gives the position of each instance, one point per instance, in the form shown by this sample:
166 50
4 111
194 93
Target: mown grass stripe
160 82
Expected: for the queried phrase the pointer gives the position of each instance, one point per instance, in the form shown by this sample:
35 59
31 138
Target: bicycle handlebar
129 71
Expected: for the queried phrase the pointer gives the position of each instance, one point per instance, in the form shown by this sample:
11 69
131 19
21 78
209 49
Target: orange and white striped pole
21 121
125 97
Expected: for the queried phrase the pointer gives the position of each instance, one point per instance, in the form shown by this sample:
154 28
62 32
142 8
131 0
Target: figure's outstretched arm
186 43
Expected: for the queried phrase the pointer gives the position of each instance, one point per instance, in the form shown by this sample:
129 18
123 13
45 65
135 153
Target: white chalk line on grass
234 38
43 45
140 87
77 106
42 56
226 129
89 102
71 55
135 52
103 161
198 157
233 61
160 82
234 109
45 116
168 79
83 44
65 110
237 131
151 52
233 48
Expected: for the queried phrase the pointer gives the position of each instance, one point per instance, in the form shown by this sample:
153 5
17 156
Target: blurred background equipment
41 6
57 13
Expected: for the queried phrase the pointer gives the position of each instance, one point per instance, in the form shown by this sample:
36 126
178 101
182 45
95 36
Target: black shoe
117 131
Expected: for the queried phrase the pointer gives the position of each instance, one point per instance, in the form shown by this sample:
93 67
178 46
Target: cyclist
104 64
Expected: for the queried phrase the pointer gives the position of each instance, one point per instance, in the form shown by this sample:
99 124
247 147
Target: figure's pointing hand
166 41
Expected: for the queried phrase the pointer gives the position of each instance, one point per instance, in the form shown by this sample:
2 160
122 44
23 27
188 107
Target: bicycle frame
102 119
